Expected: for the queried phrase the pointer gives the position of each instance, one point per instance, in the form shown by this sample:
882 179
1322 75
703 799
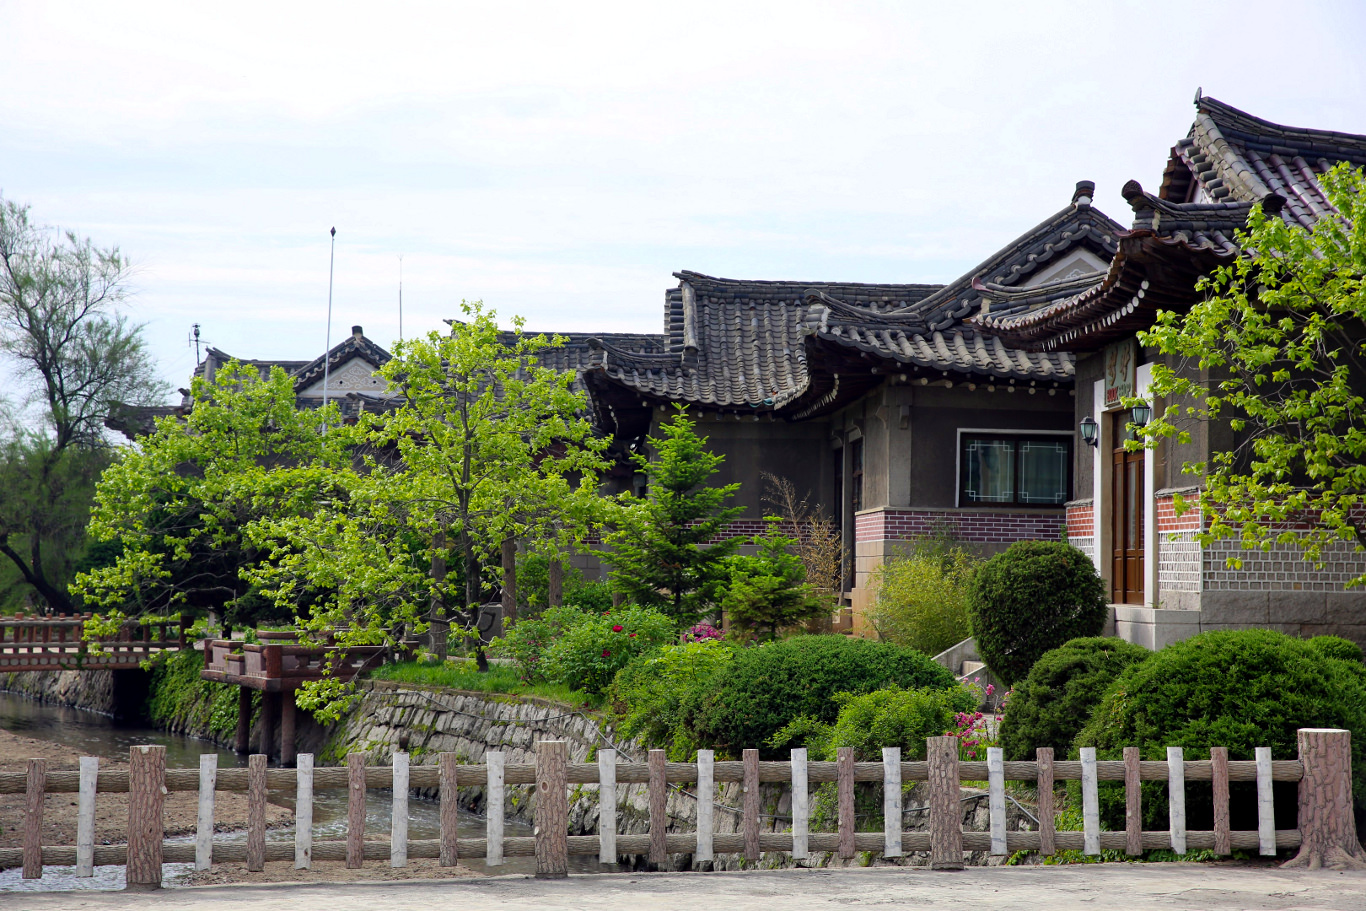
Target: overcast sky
561 160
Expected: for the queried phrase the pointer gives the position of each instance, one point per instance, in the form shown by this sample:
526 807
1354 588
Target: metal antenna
400 297
327 360
194 340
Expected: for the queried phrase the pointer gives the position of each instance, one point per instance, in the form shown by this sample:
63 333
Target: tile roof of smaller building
787 345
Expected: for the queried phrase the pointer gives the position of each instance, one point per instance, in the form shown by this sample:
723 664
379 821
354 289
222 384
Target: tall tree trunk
555 583
472 598
509 578
33 574
439 627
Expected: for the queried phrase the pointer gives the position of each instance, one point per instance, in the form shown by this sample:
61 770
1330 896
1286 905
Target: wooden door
1126 517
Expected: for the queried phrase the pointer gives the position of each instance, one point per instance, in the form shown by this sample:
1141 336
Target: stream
99 735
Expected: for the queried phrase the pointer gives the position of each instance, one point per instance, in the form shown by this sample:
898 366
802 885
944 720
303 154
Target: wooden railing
46 644
283 667
1323 770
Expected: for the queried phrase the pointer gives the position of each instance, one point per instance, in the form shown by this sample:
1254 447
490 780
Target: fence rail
1322 771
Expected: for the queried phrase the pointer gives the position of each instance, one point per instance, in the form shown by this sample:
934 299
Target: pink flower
606 653
618 628
991 688
632 635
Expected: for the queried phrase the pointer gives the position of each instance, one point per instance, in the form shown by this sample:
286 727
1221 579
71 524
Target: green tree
1275 350
668 552
769 591
179 506
922 598
74 353
486 444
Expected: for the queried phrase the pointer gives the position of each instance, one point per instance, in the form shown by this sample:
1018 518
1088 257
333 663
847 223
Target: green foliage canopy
768 590
922 599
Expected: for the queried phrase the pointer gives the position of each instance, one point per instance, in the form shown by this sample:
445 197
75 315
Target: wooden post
555 582
1176 798
270 718
1218 757
659 801
801 806
946 822
85 817
891 801
256 812
750 759
242 742
1328 830
398 813
203 833
447 766
1043 756
1090 802
996 799
493 809
146 801
1133 803
706 804
607 806
34 786
288 711
303 812
355 810
509 555
844 775
552 809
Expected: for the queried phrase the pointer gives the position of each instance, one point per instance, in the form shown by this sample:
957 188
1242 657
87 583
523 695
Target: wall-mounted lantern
1142 414
1090 431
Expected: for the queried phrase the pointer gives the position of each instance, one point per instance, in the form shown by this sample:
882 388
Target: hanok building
882 403
1165 584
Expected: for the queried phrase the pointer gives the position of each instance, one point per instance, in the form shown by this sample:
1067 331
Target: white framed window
1014 468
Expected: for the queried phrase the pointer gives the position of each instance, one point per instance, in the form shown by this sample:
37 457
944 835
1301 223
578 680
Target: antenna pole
400 297
327 360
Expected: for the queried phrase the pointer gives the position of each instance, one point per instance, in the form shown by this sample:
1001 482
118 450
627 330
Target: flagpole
327 360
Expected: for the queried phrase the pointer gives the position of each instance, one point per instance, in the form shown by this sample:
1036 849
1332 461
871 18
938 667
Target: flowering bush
587 654
703 632
976 730
527 641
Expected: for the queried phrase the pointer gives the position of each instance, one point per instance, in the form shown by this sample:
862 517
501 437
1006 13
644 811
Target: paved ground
1122 887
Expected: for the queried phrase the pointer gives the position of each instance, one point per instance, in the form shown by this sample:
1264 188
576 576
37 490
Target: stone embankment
92 690
430 720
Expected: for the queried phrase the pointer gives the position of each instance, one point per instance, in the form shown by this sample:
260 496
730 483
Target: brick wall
966 525
1081 527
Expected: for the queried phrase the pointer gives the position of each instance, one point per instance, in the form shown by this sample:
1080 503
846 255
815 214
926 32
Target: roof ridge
1225 114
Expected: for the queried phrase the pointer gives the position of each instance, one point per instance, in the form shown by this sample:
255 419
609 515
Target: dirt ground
323 871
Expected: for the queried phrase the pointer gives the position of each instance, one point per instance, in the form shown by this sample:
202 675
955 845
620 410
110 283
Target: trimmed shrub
1034 597
1052 704
763 689
883 718
922 599
1241 690
1337 647
588 653
647 695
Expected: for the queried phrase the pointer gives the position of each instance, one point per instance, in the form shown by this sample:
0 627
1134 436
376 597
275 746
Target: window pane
989 471
1043 472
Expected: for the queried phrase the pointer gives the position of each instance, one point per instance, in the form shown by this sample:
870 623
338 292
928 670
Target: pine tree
668 552
769 591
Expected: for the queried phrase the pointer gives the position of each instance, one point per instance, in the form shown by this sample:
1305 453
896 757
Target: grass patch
499 679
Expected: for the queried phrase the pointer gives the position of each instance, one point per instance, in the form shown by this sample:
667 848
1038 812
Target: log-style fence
1323 770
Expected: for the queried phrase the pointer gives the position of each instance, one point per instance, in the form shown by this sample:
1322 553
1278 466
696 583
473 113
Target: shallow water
99 735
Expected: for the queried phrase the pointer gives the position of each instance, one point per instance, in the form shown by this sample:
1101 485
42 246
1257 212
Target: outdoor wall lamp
1142 414
1090 431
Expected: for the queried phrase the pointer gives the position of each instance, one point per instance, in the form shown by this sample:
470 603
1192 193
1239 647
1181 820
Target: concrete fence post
552 809
1328 832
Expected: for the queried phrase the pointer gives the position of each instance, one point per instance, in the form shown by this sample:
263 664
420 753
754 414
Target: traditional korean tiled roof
1229 162
353 346
794 346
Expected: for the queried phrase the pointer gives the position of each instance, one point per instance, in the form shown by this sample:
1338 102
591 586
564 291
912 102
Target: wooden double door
1127 499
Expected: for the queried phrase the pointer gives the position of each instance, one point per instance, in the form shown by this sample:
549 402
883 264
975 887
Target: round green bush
760 690
1053 703
1241 689
1032 598
648 695
1337 647
589 652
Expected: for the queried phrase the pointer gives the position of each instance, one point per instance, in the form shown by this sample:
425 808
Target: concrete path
1123 887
